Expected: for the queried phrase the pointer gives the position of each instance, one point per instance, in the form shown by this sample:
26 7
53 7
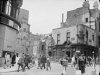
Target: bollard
78 72
93 71
64 72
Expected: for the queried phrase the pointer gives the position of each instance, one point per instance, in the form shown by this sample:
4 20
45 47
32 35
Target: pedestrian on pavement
61 61
48 66
89 59
13 59
33 59
17 58
73 62
64 64
7 61
27 61
21 62
39 62
81 63
43 61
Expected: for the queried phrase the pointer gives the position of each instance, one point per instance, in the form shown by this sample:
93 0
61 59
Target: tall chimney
62 17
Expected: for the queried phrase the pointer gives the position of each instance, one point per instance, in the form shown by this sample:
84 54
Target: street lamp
93 70
93 60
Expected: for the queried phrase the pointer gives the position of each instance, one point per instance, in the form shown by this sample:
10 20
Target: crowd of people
9 60
44 62
78 61
22 61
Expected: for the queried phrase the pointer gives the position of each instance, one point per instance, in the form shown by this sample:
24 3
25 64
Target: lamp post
93 60
93 69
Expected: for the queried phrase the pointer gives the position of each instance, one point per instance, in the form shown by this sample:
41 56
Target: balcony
9 21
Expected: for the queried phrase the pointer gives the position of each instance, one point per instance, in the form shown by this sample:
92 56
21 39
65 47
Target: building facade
23 43
79 32
9 26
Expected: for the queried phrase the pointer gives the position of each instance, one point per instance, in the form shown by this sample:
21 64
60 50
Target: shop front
59 51
87 50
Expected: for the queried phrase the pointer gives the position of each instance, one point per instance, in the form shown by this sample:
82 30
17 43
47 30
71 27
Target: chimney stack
62 17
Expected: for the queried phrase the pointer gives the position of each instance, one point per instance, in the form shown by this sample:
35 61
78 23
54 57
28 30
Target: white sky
45 15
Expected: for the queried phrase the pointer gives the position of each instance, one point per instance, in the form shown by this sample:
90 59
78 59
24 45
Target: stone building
79 32
23 38
45 42
36 44
9 25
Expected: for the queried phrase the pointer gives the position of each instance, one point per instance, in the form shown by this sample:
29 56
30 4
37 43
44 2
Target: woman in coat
81 64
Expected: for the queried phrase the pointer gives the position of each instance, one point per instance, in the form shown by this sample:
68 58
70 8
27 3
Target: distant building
23 38
36 44
23 16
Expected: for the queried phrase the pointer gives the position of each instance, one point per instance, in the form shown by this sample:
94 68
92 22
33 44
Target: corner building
79 32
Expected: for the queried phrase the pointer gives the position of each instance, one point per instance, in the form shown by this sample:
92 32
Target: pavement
56 70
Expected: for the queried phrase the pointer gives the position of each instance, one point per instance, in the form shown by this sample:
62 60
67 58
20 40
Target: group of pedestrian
79 62
64 61
44 62
23 62
9 60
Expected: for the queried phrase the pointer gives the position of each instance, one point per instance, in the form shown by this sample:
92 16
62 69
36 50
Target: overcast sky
45 15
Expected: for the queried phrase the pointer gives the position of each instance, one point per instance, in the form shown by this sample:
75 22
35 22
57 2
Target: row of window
68 37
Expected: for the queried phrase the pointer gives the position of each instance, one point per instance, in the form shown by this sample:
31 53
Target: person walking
73 62
13 59
39 62
48 66
21 63
27 61
43 61
81 64
64 63
5 59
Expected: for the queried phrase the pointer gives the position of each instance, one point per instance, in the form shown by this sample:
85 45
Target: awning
84 45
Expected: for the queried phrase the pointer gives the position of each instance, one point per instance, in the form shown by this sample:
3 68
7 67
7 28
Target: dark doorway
68 53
